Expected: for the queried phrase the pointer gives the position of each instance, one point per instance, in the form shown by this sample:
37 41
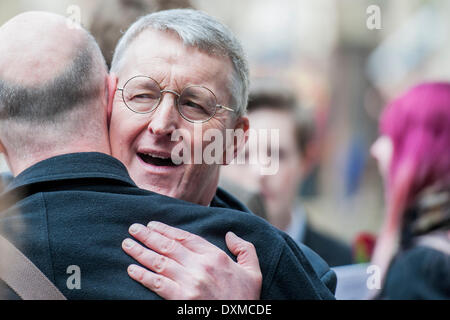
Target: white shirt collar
296 229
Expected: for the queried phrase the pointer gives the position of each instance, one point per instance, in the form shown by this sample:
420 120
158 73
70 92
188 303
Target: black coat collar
73 166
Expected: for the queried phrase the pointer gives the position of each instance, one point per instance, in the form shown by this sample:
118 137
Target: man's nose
165 118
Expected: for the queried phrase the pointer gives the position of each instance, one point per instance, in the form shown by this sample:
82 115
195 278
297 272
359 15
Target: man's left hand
184 266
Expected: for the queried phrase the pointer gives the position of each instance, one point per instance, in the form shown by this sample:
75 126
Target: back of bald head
52 82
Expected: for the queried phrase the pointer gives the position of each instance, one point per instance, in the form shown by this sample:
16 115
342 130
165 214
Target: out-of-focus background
343 64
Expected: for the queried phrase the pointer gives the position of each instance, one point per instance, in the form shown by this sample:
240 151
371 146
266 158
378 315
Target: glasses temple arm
226 108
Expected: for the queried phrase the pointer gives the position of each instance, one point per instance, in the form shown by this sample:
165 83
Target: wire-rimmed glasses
197 104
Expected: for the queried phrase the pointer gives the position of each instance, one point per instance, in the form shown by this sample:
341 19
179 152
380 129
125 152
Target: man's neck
20 164
281 220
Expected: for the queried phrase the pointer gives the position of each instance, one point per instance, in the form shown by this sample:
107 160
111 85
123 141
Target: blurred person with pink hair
413 153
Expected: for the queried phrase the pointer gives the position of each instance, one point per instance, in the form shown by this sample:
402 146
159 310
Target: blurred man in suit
273 107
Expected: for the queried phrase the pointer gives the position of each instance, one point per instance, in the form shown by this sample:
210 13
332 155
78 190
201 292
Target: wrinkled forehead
158 53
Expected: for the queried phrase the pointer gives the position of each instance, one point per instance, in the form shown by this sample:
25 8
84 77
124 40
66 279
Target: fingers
178 272
244 250
163 286
152 260
187 239
159 243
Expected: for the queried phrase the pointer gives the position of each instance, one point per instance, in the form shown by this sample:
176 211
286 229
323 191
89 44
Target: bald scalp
52 83
37 46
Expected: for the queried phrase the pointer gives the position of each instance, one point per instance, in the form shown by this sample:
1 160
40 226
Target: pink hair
418 124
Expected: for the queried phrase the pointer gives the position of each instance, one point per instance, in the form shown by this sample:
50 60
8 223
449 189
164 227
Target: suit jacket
418 273
76 209
333 251
224 199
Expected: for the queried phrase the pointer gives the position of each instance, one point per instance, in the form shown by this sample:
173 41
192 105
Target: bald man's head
36 47
52 83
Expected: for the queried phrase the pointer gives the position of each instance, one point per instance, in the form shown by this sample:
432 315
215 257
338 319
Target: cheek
123 132
382 151
200 141
284 180
219 122
287 179
383 166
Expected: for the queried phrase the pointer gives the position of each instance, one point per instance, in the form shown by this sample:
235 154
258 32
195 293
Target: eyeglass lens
143 94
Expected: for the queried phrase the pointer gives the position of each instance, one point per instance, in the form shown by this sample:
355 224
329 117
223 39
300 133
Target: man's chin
164 190
157 182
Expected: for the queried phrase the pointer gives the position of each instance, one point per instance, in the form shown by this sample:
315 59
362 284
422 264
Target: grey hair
47 102
196 29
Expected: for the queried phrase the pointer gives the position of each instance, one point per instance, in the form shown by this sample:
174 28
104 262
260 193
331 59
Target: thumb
244 250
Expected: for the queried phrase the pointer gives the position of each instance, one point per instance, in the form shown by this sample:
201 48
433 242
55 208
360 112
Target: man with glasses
196 104
181 71
167 84
76 202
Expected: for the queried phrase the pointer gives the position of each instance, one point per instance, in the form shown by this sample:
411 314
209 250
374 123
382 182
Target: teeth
156 156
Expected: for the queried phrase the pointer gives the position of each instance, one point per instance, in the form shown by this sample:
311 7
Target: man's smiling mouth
156 160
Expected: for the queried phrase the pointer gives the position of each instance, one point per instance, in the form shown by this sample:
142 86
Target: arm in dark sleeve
295 278
418 273
322 269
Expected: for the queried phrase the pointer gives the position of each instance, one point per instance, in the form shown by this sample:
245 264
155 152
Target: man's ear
111 82
240 138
